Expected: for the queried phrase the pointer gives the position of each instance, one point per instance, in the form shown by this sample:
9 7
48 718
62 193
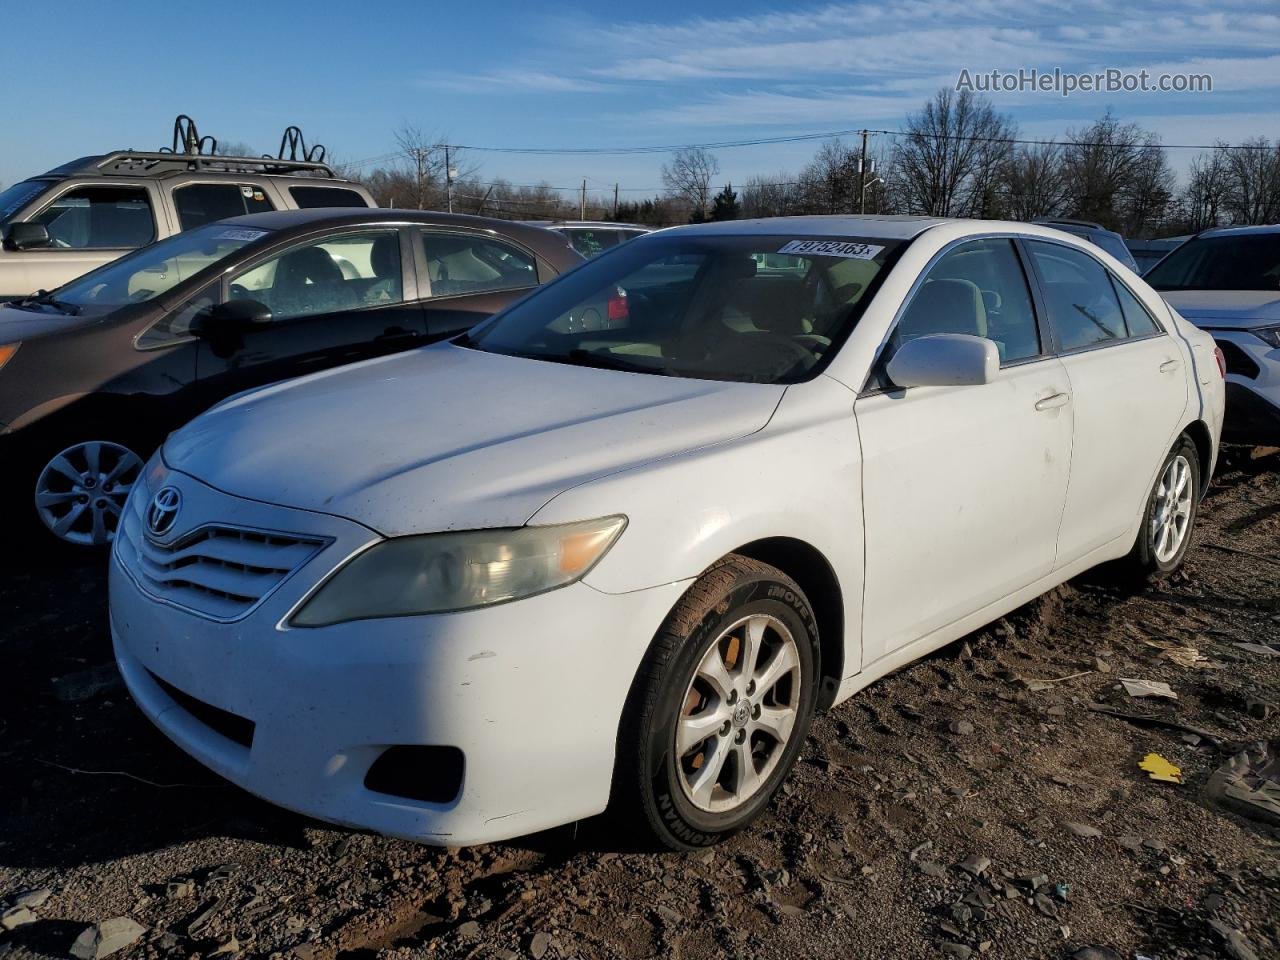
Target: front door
963 486
333 300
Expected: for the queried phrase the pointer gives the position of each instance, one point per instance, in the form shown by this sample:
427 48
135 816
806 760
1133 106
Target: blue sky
95 76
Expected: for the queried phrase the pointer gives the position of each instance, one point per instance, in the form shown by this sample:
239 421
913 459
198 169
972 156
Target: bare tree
1034 183
951 152
1118 175
829 182
688 178
1252 181
772 195
425 158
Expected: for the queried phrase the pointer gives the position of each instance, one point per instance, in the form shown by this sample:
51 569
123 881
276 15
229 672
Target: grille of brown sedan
217 571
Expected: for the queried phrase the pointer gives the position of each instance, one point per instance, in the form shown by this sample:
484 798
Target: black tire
648 793
1144 562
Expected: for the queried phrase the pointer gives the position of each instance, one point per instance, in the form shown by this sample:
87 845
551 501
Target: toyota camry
612 548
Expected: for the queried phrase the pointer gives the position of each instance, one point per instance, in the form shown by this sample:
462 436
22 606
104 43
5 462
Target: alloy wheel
80 493
1171 518
738 713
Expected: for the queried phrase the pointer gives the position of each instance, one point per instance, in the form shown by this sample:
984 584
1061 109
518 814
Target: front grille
217 571
234 727
1238 362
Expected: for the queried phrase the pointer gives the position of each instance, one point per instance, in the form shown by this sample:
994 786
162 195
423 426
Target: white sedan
616 545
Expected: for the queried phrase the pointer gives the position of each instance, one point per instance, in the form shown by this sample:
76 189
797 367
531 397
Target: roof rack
142 163
190 151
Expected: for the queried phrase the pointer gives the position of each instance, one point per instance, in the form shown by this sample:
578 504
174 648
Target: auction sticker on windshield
240 233
832 248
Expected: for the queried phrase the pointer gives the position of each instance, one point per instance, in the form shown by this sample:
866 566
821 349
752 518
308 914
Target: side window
1137 319
201 203
177 325
308 197
977 288
1082 302
351 271
590 242
460 263
90 218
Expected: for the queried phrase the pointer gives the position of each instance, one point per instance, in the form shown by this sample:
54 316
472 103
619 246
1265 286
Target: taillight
1222 361
618 308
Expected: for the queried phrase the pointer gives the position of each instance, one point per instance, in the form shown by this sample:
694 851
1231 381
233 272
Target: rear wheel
1169 519
721 707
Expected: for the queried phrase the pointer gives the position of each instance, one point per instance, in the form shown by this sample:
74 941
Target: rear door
963 486
468 276
1128 388
336 298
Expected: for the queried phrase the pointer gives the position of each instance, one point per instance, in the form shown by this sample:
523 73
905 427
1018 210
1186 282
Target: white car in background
1227 282
501 583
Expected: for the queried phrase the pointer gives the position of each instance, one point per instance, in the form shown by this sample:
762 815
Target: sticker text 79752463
832 248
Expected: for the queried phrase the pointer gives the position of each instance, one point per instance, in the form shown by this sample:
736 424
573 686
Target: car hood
18 324
1227 309
449 438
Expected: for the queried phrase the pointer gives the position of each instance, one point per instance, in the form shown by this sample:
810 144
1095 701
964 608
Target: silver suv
78 216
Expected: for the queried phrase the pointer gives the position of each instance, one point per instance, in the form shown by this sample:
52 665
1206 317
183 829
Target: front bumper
1253 388
531 692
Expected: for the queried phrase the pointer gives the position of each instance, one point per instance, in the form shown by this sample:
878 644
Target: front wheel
79 489
721 706
1169 518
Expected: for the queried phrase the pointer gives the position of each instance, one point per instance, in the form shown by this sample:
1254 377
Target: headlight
1268 335
442 572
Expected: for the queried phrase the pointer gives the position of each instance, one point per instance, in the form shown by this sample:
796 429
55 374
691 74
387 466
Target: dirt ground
926 818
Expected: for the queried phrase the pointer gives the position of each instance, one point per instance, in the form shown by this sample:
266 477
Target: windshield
19 195
155 269
765 309
1239 262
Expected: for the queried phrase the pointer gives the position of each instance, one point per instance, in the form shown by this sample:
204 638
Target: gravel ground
972 804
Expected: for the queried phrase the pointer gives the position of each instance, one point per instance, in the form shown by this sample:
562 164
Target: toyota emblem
163 511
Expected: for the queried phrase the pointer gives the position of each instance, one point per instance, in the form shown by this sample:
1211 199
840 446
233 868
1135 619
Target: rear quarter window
309 197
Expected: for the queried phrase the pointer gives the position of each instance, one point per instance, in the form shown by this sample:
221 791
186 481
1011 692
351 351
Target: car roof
836 225
1240 231
306 220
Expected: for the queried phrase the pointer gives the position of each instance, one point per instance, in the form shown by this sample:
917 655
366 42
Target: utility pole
862 176
582 206
448 179
615 201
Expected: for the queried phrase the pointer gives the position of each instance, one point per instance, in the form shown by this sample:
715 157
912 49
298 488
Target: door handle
1053 401
1170 365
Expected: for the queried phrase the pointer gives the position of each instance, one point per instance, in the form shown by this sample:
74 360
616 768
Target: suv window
350 271
201 203
89 218
308 197
460 263
1083 306
19 195
977 288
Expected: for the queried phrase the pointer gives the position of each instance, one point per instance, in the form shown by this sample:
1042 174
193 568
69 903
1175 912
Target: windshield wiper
609 361
45 298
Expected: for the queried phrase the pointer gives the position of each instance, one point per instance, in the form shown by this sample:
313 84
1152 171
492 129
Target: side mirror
232 317
26 236
944 360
